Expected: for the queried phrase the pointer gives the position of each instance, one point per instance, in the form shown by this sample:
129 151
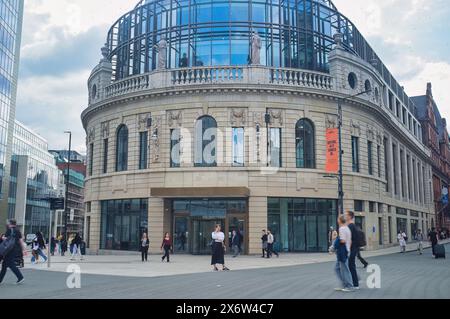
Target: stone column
155 223
257 222
95 227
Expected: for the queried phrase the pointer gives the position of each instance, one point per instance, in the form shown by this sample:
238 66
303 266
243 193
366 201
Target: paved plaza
402 276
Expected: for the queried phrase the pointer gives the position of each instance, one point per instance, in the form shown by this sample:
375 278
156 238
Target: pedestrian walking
182 239
357 241
270 242
434 239
167 246
10 254
419 238
235 242
63 243
241 239
145 244
401 237
342 246
52 246
76 247
40 246
264 243
218 249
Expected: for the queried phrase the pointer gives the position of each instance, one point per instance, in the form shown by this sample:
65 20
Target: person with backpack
76 247
434 239
12 246
358 241
342 248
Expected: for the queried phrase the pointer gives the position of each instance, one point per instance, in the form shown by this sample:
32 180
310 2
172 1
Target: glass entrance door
309 233
181 234
201 235
237 223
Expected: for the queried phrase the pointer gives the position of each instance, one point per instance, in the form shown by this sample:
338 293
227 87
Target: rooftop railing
233 75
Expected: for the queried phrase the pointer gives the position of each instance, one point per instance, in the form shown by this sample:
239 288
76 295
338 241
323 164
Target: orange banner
332 165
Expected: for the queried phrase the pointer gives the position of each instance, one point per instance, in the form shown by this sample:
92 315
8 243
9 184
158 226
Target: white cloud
52 102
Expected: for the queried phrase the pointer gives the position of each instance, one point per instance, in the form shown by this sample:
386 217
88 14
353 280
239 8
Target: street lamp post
341 152
66 206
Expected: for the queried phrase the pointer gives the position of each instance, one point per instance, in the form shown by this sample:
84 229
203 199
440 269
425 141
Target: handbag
7 245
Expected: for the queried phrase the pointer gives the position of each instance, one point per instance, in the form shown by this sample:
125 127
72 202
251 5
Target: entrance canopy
201 192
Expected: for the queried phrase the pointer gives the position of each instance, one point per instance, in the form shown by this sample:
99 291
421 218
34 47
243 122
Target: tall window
402 173
206 142
394 164
379 160
275 147
175 148
416 183
369 157
91 159
305 144
105 156
408 175
238 146
355 154
143 150
122 149
386 163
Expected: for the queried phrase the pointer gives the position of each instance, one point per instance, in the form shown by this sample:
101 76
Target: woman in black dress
218 249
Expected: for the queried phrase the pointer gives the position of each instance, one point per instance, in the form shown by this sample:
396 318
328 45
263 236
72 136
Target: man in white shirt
270 241
343 252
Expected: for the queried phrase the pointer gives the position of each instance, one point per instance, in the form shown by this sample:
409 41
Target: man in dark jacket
9 261
264 243
235 243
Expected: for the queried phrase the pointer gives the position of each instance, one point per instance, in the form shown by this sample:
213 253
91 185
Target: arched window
122 149
305 144
205 142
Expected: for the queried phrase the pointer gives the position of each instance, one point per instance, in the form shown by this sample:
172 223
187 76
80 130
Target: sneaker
226 269
338 289
356 288
347 290
20 281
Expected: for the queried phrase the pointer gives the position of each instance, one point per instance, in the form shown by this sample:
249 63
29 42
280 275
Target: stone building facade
436 137
179 150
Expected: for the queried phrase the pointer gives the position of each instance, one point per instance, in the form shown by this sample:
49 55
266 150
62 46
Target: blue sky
62 40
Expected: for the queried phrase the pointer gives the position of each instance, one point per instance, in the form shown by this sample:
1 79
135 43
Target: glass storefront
301 224
123 223
194 221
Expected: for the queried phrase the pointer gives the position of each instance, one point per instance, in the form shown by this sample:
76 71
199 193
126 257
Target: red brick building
436 137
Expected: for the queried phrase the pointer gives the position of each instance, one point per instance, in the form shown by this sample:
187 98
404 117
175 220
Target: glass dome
295 34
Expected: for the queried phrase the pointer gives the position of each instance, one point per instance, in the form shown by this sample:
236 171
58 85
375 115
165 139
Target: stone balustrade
236 75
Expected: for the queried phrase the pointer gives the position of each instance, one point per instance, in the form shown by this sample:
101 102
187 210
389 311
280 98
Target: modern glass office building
34 176
11 14
221 112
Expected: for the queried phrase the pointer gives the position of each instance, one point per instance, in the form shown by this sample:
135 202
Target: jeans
144 253
39 252
236 250
11 264
343 274
270 251
352 266
76 251
166 253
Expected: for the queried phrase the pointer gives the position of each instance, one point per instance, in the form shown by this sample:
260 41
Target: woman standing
145 244
218 249
167 246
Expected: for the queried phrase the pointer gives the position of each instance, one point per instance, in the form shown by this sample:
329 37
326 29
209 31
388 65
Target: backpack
8 245
360 238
